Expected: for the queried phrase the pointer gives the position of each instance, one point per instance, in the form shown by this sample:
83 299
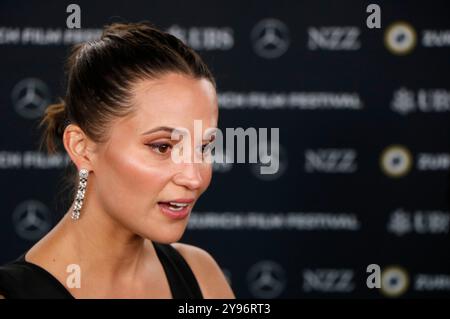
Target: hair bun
54 122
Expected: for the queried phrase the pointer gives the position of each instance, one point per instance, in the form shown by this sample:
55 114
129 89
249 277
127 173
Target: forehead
176 100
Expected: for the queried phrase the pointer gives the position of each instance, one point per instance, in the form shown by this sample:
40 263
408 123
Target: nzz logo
333 38
330 161
328 280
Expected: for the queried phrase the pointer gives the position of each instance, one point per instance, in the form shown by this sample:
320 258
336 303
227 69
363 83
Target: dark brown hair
100 75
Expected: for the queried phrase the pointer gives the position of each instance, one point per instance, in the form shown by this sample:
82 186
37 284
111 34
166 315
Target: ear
79 147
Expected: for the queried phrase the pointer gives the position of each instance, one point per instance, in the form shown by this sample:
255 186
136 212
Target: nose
189 176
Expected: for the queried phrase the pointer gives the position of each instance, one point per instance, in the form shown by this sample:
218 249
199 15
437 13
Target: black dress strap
183 283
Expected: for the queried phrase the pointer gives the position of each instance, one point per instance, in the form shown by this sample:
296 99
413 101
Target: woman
125 94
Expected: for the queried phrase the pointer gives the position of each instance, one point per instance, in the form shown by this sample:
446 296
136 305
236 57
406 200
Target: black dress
23 280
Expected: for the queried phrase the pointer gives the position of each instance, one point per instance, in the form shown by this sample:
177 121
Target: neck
101 244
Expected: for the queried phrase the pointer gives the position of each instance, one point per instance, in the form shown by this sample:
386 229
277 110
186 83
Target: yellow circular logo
400 38
394 281
396 161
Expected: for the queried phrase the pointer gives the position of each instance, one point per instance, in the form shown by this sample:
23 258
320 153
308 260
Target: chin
160 230
166 234
166 238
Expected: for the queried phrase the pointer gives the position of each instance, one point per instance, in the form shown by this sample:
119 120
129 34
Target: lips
179 200
176 209
175 206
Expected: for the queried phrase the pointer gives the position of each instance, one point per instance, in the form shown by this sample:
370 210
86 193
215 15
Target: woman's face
134 172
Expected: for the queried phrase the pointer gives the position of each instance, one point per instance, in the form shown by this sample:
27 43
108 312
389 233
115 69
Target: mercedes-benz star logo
30 97
31 220
270 38
266 279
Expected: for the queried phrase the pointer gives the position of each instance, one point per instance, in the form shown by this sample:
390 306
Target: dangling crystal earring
83 174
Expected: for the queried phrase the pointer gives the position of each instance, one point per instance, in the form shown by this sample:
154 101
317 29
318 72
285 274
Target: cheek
130 179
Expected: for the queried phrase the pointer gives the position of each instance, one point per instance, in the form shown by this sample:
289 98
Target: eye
160 148
207 147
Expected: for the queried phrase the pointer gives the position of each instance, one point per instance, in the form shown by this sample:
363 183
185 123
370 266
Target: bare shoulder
210 277
2 297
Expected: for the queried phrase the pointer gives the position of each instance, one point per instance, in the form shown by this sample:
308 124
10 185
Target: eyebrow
159 128
170 130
